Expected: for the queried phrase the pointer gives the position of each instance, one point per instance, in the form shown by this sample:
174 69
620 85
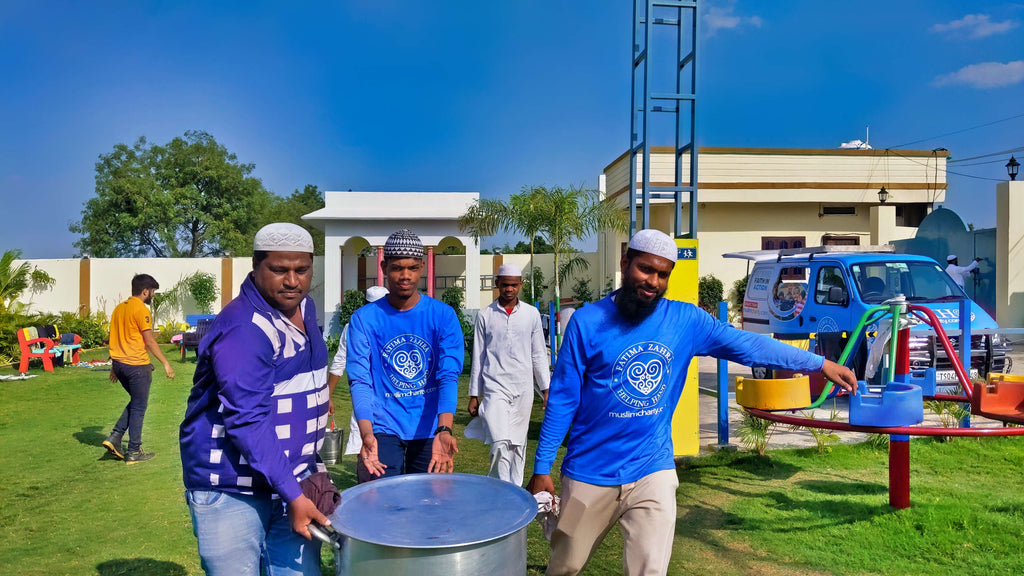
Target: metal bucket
334 439
431 524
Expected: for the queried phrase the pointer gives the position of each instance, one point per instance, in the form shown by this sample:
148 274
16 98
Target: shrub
755 432
452 296
353 300
709 293
203 288
94 329
535 279
10 323
168 330
736 295
581 291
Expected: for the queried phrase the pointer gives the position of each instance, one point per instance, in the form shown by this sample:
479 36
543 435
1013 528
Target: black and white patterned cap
403 244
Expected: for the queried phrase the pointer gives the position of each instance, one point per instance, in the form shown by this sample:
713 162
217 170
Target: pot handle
327 534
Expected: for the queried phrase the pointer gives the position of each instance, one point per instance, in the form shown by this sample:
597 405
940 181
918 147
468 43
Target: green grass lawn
68 508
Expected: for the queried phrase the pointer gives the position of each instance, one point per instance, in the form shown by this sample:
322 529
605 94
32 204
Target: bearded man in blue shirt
618 378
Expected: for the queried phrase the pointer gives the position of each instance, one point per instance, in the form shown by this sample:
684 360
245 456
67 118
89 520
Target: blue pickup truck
824 291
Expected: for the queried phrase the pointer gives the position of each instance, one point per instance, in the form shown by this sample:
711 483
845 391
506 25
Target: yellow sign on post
682 286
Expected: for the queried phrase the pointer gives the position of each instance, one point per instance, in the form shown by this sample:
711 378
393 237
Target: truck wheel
761 373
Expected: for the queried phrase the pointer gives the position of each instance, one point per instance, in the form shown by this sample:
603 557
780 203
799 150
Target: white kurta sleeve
479 344
338 364
541 363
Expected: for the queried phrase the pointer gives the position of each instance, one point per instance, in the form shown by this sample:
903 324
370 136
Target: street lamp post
883 195
1011 168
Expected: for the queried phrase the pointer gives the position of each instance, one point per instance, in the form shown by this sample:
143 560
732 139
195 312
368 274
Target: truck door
828 310
786 300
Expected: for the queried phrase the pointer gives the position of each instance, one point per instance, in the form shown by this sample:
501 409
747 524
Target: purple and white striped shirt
258 408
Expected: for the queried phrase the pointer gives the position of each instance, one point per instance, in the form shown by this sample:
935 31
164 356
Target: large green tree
188 198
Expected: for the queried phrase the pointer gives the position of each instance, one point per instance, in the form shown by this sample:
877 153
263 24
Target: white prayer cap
654 242
510 270
283 237
951 257
374 293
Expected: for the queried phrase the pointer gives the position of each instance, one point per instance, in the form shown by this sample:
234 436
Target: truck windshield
917 281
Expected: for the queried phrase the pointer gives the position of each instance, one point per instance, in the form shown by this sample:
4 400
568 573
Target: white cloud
722 17
975 26
985 75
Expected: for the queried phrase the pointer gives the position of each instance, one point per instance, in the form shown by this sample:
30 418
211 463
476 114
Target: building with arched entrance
356 225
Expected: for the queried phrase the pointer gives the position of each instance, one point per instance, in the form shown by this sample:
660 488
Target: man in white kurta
960 273
509 358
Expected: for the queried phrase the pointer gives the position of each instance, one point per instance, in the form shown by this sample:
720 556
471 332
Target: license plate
949 376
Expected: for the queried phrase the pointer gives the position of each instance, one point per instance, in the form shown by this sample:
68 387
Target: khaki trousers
645 511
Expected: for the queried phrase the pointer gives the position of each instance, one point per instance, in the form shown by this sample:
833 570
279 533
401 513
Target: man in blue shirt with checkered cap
405 354
618 378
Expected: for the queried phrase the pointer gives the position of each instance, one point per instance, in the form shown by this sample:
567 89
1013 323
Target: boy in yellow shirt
131 335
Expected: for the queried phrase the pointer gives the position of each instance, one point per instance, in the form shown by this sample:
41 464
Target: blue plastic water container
898 405
923 378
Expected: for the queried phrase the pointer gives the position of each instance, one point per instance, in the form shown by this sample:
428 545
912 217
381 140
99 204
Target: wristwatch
443 429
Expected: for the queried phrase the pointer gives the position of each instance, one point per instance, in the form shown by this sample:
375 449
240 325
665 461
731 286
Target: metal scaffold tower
666 86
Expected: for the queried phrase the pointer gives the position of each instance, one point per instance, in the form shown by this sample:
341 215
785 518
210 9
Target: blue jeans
402 456
242 535
136 381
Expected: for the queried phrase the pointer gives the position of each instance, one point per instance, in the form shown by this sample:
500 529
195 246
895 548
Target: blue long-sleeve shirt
616 384
403 366
257 412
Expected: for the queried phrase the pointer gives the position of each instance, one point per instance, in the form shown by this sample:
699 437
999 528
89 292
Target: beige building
764 198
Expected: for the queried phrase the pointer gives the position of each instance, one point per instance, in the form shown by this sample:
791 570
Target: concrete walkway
784 437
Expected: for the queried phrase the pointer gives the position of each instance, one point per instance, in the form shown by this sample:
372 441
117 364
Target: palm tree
522 214
572 214
559 215
13 279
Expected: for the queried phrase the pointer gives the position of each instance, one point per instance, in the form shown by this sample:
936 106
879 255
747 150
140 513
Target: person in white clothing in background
960 273
334 374
509 358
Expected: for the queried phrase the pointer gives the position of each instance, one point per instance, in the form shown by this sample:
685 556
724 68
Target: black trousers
136 381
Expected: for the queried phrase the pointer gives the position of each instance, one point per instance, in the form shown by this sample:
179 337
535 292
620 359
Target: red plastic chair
43 348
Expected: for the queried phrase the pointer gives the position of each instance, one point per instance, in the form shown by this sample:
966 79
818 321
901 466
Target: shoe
138 456
113 445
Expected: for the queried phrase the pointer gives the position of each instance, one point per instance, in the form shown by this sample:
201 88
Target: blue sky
480 96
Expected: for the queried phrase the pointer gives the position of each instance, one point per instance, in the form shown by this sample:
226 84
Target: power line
946 170
999 161
1003 153
960 131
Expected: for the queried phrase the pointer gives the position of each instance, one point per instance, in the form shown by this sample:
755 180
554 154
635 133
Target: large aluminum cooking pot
431 524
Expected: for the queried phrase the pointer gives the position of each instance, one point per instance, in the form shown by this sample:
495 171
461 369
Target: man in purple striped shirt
256 417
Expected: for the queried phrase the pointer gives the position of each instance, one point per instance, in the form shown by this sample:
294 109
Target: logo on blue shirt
641 373
407 361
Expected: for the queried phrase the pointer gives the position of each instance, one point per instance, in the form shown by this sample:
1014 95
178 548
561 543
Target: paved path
783 436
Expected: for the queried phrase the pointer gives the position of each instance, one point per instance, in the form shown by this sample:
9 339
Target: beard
631 306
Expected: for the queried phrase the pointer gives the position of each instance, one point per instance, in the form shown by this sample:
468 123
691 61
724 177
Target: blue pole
723 385
551 331
965 351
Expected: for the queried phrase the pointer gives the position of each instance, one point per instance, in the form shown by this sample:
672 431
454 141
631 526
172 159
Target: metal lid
433 510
